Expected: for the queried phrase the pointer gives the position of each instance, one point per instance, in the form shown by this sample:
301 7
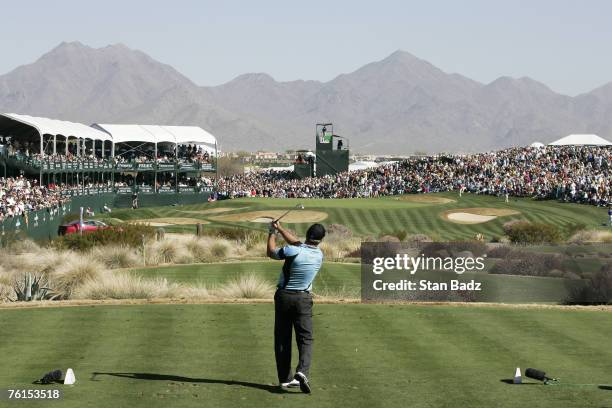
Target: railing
109 165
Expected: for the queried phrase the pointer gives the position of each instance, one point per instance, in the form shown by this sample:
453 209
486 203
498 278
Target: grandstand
65 165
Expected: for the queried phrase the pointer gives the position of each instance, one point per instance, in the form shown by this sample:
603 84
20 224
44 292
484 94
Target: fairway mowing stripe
421 366
369 222
62 345
333 374
540 328
573 356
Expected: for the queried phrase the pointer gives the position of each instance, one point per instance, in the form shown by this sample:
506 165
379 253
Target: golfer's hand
272 228
276 225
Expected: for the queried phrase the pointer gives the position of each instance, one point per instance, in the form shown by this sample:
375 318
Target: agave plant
32 288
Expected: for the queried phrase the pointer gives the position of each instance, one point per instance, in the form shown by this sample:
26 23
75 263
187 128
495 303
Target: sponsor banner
166 190
146 189
187 190
125 166
166 166
145 166
187 166
124 190
207 167
206 189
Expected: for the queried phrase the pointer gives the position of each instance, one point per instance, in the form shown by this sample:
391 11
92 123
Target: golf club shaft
282 216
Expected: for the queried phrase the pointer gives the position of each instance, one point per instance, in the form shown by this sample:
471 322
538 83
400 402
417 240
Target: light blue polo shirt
302 263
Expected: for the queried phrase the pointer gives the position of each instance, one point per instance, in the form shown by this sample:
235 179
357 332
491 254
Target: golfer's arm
271 246
288 236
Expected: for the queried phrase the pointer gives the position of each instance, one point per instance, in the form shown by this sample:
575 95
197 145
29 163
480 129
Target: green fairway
345 280
365 355
377 216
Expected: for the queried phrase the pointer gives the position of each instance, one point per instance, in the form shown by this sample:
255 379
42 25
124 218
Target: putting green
364 355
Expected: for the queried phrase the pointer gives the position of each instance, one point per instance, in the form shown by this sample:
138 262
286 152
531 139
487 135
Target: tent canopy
581 140
54 127
157 134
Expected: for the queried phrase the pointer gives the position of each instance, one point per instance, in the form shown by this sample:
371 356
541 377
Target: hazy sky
565 44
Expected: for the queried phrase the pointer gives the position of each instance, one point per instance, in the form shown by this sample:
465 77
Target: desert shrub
23 246
597 289
72 275
121 285
388 238
452 248
573 228
219 249
524 232
247 286
163 252
130 235
198 249
338 232
529 263
501 251
585 236
418 238
116 256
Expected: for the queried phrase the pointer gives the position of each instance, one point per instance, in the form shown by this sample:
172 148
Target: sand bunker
476 215
214 210
425 199
165 222
266 216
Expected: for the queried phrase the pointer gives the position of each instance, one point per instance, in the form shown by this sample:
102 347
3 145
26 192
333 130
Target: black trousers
292 311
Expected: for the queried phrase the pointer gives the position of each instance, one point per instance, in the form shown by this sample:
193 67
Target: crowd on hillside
19 196
568 173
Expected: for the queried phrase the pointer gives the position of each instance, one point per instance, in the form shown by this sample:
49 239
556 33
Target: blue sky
564 44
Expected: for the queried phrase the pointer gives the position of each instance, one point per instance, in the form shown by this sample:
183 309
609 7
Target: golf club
297 207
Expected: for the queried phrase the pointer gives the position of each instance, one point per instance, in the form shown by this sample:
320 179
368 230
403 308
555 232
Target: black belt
293 291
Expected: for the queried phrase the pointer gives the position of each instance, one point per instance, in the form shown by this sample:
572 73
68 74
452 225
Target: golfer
293 301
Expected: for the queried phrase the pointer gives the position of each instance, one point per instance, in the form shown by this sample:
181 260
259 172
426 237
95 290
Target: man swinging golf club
293 301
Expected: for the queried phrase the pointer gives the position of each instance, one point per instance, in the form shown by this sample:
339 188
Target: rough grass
75 274
247 286
115 257
121 285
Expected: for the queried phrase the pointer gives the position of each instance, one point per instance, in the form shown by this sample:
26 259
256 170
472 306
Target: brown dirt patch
294 217
167 221
476 215
426 199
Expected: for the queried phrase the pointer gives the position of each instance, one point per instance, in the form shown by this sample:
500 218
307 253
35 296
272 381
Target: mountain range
399 105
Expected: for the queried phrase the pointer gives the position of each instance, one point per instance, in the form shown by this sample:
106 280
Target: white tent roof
537 144
581 140
126 133
46 126
191 134
157 134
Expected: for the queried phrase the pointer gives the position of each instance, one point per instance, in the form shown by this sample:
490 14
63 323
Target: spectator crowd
18 196
581 174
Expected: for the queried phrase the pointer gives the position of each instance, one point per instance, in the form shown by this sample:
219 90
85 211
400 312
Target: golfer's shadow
166 377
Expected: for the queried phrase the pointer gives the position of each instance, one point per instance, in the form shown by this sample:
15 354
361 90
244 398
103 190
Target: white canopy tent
581 140
159 134
55 128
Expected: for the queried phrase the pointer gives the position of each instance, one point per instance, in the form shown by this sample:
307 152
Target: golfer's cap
316 232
